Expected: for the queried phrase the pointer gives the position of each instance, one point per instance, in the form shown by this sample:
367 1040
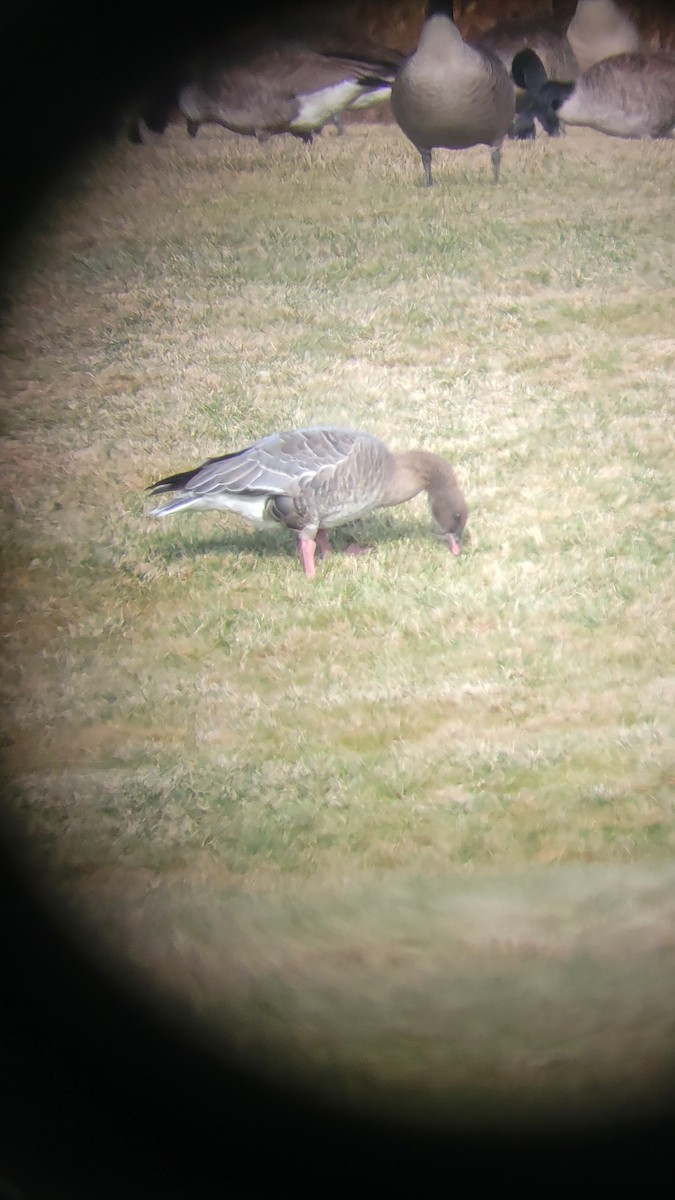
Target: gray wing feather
280 464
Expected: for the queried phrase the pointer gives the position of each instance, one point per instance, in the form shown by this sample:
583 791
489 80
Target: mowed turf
182 705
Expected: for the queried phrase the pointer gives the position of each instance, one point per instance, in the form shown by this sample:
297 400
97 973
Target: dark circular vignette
100 1096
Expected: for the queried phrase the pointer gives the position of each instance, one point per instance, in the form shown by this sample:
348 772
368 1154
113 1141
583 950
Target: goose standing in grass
312 480
599 29
546 36
286 87
627 95
450 94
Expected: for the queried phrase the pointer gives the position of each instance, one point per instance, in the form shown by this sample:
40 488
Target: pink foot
354 548
307 548
322 543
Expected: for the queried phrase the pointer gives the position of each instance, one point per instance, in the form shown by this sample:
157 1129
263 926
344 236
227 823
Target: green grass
181 704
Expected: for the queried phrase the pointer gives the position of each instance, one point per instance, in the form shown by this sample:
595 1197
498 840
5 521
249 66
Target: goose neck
416 471
440 8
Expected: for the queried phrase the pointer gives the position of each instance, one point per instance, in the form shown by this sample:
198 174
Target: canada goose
287 87
450 94
627 95
311 480
546 36
599 29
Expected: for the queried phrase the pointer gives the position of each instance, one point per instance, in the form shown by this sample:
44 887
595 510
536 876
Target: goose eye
555 103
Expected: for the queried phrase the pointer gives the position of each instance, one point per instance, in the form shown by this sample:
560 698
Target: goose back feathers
284 88
546 37
450 94
627 95
312 480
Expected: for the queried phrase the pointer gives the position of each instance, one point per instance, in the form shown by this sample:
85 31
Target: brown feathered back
546 36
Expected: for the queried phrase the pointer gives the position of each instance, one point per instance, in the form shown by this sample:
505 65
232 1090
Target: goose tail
163 510
172 483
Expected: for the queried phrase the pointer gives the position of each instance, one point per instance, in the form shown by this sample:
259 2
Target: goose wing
282 464
286 70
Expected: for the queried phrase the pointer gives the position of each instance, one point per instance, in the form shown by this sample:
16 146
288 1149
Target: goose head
450 512
545 97
415 471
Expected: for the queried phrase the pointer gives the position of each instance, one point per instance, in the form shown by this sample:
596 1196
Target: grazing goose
599 29
546 36
529 77
286 87
628 95
311 480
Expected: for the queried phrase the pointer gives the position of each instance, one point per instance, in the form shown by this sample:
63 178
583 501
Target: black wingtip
172 483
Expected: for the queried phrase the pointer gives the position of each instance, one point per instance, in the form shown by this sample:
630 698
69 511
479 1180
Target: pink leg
323 545
307 548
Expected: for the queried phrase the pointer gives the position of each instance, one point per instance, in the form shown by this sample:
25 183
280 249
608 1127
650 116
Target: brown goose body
627 95
545 36
312 480
450 94
286 87
600 29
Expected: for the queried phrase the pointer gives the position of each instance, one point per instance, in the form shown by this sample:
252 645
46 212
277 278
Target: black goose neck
442 8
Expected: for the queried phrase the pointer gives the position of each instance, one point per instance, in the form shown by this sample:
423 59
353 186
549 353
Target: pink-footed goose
450 94
312 480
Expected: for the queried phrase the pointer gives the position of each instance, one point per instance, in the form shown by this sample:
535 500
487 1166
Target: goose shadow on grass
369 533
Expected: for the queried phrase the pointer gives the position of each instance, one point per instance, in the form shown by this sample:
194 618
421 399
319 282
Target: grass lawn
404 832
